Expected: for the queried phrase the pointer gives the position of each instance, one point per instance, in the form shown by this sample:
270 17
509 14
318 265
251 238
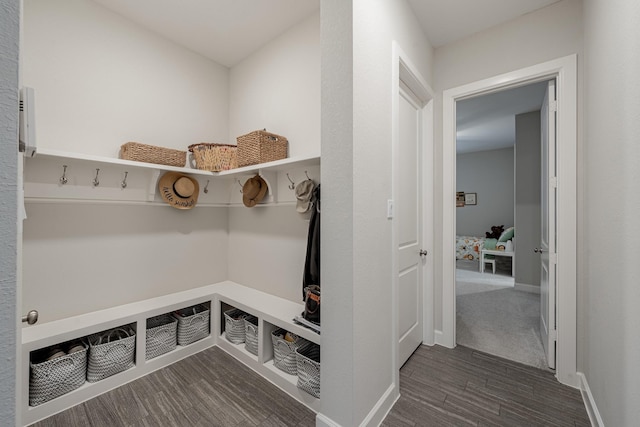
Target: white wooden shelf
272 312
44 171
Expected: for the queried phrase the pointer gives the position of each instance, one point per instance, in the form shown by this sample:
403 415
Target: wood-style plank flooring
208 389
438 386
465 387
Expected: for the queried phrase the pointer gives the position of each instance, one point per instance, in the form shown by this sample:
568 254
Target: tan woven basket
261 146
152 154
214 157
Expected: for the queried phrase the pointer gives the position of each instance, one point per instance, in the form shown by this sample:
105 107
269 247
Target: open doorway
498 179
564 292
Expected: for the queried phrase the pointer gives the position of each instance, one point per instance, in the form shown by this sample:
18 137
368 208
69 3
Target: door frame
564 70
405 73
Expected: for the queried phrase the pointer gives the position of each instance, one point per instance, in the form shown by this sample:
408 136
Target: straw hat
179 190
253 191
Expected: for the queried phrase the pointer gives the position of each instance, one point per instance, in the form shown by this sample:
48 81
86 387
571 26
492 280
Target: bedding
469 247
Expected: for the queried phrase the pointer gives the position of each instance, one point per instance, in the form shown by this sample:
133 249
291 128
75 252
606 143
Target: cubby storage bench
272 313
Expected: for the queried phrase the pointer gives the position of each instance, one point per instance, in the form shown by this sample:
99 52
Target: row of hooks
291 186
96 181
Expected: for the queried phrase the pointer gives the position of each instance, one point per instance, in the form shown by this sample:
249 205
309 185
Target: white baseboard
375 416
527 288
589 402
442 340
324 421
382 407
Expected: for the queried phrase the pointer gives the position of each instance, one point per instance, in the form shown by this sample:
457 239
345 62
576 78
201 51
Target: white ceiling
225 31
445 21
488 122
228 31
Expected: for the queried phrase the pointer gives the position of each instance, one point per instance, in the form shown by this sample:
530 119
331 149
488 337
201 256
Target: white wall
81 258
490 174
278 88
337 228
267 248
610 319
357 181
9 35
549 33
101 81
527 153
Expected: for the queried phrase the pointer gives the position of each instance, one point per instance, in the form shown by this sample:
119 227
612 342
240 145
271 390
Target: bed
469 247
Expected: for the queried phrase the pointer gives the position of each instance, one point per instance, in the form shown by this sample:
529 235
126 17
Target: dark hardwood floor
465 387
438 386
208 389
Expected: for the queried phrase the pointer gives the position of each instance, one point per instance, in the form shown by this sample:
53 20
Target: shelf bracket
153 183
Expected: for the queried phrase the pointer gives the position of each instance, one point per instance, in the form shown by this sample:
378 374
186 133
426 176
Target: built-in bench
272 313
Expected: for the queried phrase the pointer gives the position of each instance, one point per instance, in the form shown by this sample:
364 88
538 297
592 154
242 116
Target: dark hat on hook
179 190
253 191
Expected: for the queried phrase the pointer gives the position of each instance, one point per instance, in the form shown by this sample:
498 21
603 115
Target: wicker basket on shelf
261 146
308 363
53 377
193 323
152 154
214 157
161 335
234 325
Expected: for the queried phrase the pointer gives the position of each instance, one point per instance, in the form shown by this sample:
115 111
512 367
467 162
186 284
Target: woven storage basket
152 154
284 352
214 157
251 334
53 378
193 324
111 352
308 362
234 325
261 146
161 335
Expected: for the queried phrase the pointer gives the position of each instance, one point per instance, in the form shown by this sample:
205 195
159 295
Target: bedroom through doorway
498 223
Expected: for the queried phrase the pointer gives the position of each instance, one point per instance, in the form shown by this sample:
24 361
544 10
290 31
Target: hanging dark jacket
312 262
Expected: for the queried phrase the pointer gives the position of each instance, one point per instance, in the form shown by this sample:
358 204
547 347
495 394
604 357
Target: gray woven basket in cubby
251 334
193 324
308 361
234 325
161 335
111 352
53 378
284 352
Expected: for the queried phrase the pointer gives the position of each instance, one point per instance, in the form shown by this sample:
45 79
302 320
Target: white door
408 206
547 250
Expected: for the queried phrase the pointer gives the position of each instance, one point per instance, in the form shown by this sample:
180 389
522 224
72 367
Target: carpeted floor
495 318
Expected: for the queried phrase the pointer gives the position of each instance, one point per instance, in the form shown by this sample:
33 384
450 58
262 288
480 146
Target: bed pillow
490 244
506 235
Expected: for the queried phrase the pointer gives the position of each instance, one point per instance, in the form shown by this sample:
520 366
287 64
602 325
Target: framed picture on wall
470 198
459 199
